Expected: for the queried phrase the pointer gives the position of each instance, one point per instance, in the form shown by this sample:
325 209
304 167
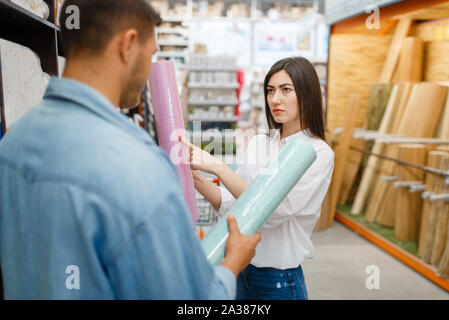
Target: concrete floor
338 270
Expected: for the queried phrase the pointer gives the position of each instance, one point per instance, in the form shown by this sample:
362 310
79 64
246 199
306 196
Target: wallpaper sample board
24 82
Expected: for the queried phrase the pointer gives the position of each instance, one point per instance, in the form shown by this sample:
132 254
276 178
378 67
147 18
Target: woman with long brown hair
293 105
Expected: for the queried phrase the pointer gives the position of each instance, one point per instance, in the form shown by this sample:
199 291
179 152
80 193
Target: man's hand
240 249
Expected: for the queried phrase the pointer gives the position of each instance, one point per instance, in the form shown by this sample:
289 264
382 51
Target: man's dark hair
100 20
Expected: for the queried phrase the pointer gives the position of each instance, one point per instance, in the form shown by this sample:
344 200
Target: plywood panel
436 61
408 204
391 61
443 128
379 96
355 62
411 60
431 31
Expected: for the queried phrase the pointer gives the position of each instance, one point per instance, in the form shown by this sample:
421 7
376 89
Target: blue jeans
271 284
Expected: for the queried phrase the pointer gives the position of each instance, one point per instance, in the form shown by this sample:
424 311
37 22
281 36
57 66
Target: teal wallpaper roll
262 197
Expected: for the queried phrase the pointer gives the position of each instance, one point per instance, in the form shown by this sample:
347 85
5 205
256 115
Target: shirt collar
277 136
88 98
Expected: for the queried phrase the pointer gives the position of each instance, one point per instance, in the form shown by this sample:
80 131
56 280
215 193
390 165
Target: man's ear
128 46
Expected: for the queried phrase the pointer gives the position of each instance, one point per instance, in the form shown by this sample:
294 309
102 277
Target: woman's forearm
232 181
209 190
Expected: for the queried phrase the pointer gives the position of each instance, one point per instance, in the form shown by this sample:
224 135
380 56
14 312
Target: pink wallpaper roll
170 124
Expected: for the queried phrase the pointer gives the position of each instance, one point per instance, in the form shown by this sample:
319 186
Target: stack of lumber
403 91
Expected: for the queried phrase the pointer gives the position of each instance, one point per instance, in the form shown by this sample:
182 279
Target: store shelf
213 103
194 85
212 119
20 26
318 61
173 19
171 54
405 257
17 18
212 69
180 31
175 43
175 26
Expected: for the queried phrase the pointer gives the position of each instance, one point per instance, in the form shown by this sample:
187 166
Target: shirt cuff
228 280
226 202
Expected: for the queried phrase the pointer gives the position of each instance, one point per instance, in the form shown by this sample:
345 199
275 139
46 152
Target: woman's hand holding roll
200 159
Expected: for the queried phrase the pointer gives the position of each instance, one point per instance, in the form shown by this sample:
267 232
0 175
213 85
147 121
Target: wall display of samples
38 7
24 82
213 98
213 87
173 41
275 40
229 38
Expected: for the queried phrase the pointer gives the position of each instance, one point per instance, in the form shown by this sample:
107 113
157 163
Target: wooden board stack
379 97
351 171
434 210
417 106
416 122
387 124
341 155
433 161
407 213
393 112
443 266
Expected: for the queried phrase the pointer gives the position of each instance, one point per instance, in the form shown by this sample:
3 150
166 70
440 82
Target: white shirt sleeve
307 195
227 201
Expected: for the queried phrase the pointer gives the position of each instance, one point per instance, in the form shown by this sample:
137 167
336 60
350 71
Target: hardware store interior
320 126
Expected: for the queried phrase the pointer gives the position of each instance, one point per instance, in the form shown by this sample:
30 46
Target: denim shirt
92 208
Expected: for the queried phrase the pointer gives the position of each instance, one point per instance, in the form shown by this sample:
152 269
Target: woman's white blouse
286 234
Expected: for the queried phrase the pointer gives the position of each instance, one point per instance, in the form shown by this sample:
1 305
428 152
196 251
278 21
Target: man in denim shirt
90 207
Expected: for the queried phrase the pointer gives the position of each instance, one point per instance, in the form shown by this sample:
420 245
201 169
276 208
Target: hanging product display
262 197
170 125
